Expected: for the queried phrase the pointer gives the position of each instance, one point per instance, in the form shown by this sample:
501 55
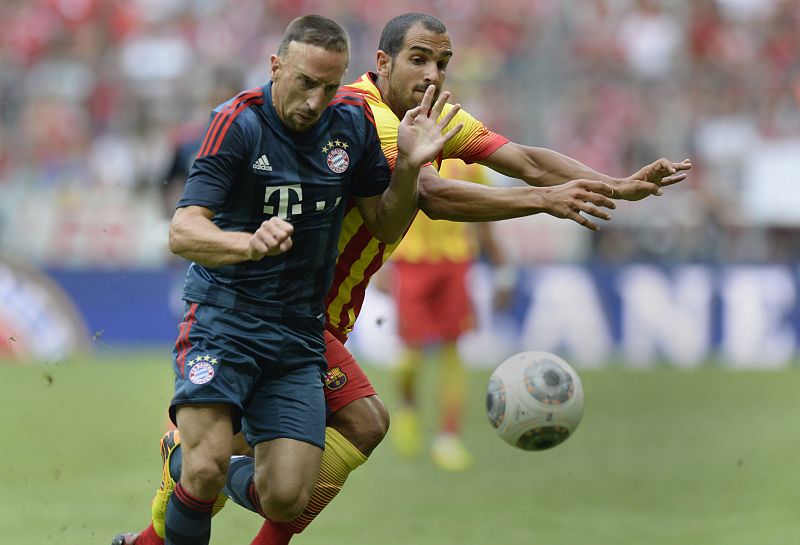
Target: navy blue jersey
251 167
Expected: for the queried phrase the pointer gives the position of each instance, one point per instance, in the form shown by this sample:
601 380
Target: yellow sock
408 373
452 388
339 458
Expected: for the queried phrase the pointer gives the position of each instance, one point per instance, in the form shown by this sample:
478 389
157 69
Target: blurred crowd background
96 95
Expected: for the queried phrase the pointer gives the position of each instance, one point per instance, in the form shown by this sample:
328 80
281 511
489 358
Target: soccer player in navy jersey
260 218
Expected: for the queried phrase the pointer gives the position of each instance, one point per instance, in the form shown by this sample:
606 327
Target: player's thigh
205 425
287 469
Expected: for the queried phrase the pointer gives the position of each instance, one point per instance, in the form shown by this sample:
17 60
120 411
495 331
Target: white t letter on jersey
283 201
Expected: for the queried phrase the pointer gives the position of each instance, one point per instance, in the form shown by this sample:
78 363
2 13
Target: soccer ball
534 400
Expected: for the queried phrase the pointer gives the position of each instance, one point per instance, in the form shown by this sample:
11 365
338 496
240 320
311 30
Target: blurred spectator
95 94
650 39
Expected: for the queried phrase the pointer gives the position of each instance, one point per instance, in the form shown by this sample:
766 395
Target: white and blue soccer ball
534 400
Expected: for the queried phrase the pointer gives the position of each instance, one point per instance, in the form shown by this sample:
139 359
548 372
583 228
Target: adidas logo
262 164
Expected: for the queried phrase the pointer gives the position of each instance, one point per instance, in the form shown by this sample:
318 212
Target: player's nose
431 75
317 101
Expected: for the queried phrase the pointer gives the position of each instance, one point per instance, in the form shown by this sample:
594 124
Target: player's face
305 79
421 62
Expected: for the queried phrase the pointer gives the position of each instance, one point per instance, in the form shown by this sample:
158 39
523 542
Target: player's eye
306 83
418 60
332 88
442 65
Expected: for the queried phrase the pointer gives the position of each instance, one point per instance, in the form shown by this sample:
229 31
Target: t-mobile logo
284 196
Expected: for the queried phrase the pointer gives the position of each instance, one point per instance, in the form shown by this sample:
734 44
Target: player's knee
374 428
283 503
364 423
205 475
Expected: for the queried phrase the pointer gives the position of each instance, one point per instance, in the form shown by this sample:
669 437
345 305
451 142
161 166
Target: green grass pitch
662 457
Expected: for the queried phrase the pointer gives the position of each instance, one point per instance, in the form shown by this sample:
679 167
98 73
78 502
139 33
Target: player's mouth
305 118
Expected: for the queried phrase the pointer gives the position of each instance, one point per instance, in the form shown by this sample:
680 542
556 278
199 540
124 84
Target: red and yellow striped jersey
437 241
361 254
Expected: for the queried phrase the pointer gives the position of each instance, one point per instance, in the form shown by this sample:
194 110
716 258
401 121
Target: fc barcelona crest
338 160
334 378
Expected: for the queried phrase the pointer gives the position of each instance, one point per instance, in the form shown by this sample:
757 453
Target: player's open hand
651 179
273 237
568 200
419 137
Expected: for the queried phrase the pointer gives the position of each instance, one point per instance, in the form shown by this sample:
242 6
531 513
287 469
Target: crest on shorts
334 378
201 369
338 160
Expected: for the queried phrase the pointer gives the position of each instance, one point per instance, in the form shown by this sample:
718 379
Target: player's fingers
640 186
595 211
257 248
600 200
427 98
674 179
594 186
282 225
266 239
664 164
413 113
577 218
439 106
449 116
452 132
286 245
686 164
277 230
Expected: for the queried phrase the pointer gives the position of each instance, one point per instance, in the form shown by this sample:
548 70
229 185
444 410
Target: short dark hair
315 30
394 33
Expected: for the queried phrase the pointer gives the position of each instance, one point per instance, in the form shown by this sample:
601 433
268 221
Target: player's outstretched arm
457 200
420 138
545 167
193 236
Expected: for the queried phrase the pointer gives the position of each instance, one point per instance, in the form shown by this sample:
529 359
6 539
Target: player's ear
274 66
383 63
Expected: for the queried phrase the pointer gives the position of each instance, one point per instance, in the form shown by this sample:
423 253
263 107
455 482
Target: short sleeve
474 142
222 152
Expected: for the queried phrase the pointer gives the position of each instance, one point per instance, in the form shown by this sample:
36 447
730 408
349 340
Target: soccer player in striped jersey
259 219
414 52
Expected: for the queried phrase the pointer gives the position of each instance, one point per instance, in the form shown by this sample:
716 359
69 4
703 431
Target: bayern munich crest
338 160
201 369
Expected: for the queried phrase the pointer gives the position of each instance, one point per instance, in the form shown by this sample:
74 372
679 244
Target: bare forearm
455 200
558 168
398 204
198 239
540 166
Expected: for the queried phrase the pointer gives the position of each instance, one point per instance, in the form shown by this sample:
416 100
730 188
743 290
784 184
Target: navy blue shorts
270 372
